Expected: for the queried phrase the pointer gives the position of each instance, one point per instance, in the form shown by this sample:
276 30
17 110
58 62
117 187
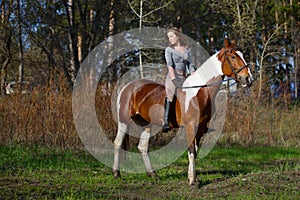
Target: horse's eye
233 57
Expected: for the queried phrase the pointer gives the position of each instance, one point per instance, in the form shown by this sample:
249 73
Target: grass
226 173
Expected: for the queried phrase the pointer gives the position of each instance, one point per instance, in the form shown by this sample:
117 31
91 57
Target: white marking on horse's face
249 72
240 54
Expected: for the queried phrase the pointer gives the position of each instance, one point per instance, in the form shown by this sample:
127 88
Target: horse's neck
209 72
215 84
209 69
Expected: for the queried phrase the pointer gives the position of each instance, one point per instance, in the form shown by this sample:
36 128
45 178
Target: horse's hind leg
143 148
192 153
122 130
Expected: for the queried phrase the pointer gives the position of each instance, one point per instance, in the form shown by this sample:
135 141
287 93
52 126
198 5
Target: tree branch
132 8
152 11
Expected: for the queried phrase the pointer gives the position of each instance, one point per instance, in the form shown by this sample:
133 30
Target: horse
192 108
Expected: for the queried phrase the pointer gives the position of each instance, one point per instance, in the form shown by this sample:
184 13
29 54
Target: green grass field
226 173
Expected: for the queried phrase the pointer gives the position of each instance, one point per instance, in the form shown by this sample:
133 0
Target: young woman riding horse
142 102
179 64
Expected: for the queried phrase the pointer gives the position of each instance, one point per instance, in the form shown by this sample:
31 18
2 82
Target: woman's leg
170 91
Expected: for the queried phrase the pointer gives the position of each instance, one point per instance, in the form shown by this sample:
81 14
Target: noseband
235 72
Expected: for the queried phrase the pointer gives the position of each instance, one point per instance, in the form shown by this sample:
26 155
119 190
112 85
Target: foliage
48 31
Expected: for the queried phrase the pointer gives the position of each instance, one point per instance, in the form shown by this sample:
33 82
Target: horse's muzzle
246 81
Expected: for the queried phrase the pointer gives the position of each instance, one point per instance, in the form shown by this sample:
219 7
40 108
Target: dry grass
264 121
44 117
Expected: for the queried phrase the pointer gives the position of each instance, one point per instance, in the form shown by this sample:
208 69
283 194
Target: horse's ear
233 42
226 42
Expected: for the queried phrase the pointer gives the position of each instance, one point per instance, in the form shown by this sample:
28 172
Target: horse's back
138 97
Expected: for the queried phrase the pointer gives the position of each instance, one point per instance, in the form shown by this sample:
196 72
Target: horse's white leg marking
192 168
122 129
196 148
143 148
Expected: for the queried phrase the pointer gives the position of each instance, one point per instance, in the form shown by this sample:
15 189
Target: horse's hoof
153 175
165 129
194 183
116 173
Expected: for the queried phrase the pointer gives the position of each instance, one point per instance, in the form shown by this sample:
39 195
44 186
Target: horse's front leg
192 153
143 148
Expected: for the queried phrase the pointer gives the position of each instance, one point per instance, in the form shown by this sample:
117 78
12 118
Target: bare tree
20 42
111 26
73 51
142 17
295 36
266 52
296 43
6 36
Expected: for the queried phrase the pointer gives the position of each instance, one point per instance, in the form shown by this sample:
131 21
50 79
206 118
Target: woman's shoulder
169 49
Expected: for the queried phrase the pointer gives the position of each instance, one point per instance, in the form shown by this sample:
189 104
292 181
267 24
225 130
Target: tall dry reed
44 117
264 121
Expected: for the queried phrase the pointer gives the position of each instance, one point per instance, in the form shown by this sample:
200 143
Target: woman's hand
177 83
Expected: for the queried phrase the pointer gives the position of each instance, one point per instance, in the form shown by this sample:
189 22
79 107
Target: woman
179 63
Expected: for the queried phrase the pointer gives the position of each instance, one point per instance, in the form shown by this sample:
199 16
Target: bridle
235 72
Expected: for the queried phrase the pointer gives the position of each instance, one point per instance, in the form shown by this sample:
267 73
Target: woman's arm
171 72
192 67
170 64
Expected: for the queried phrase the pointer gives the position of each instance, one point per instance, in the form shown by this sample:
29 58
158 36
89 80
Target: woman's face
173 38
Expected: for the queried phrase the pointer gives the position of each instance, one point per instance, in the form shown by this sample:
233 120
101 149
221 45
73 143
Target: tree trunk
3 57
85 11
20 43
74 63
140 28
79 46
110 46
6 35
296 43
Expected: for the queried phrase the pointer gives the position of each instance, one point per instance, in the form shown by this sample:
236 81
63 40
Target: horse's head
234 64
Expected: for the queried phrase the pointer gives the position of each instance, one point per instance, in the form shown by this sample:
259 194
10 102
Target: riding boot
166 127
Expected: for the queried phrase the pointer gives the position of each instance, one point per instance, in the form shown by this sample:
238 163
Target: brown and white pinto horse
192 109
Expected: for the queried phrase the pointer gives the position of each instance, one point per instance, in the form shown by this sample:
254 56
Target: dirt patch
262 185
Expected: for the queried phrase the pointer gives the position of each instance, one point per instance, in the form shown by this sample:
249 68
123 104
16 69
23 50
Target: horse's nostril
249 81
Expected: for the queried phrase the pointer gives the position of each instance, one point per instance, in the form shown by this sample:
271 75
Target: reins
211 84
235 72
